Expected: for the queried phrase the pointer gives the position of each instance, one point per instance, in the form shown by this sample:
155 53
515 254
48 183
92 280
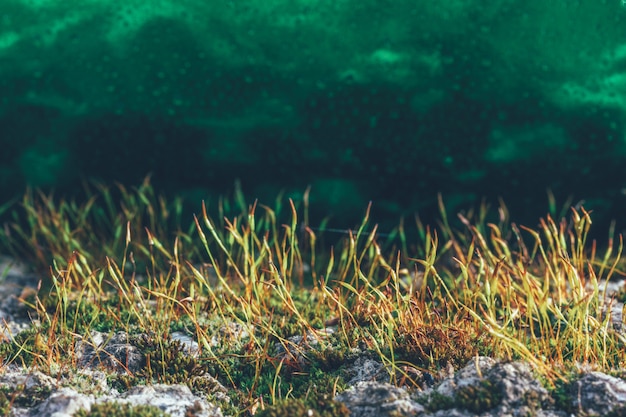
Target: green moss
436 402
5 404
109 409
168 363
27 347
316 406
330 358
434 346
305 304
476 398
21 396
480 397
86 316
314 392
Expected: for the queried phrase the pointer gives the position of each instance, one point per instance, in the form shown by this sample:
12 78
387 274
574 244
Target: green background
385 100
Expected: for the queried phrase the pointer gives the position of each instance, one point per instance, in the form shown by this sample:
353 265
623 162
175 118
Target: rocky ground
484 387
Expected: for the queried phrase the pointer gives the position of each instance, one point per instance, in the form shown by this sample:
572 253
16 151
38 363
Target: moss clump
562 396
432 346
168 363
21 396
314 393
329 359
25 347
116 409
476 398
36 345
480 397
319 406
5 404
436 402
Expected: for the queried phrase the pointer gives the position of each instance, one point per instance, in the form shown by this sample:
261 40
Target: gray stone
29 388
294 348
484 387
522 394
451 413
464 413
376 399
469 375
227 334
175 400
40 395
63 403
13 377
365 369
15 281
597 394
190 346
115 352
90 381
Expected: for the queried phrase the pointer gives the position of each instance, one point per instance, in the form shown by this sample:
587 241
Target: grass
246 279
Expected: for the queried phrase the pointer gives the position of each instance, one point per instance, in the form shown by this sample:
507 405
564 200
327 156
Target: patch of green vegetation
436 401
534 401
167 362
5 404
329 359
102 316
112 408
37 346
561 394
25 347
22 396
311 314
479 397
436 346
476 398
315 407
311 394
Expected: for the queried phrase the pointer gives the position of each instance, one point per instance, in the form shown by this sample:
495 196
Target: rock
227 334
26 389
365 369
113 352
482 388
15 282
598 394
293 350
29 381
190 346
489 389
376 399
89 381
467 376
176 400
63 403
